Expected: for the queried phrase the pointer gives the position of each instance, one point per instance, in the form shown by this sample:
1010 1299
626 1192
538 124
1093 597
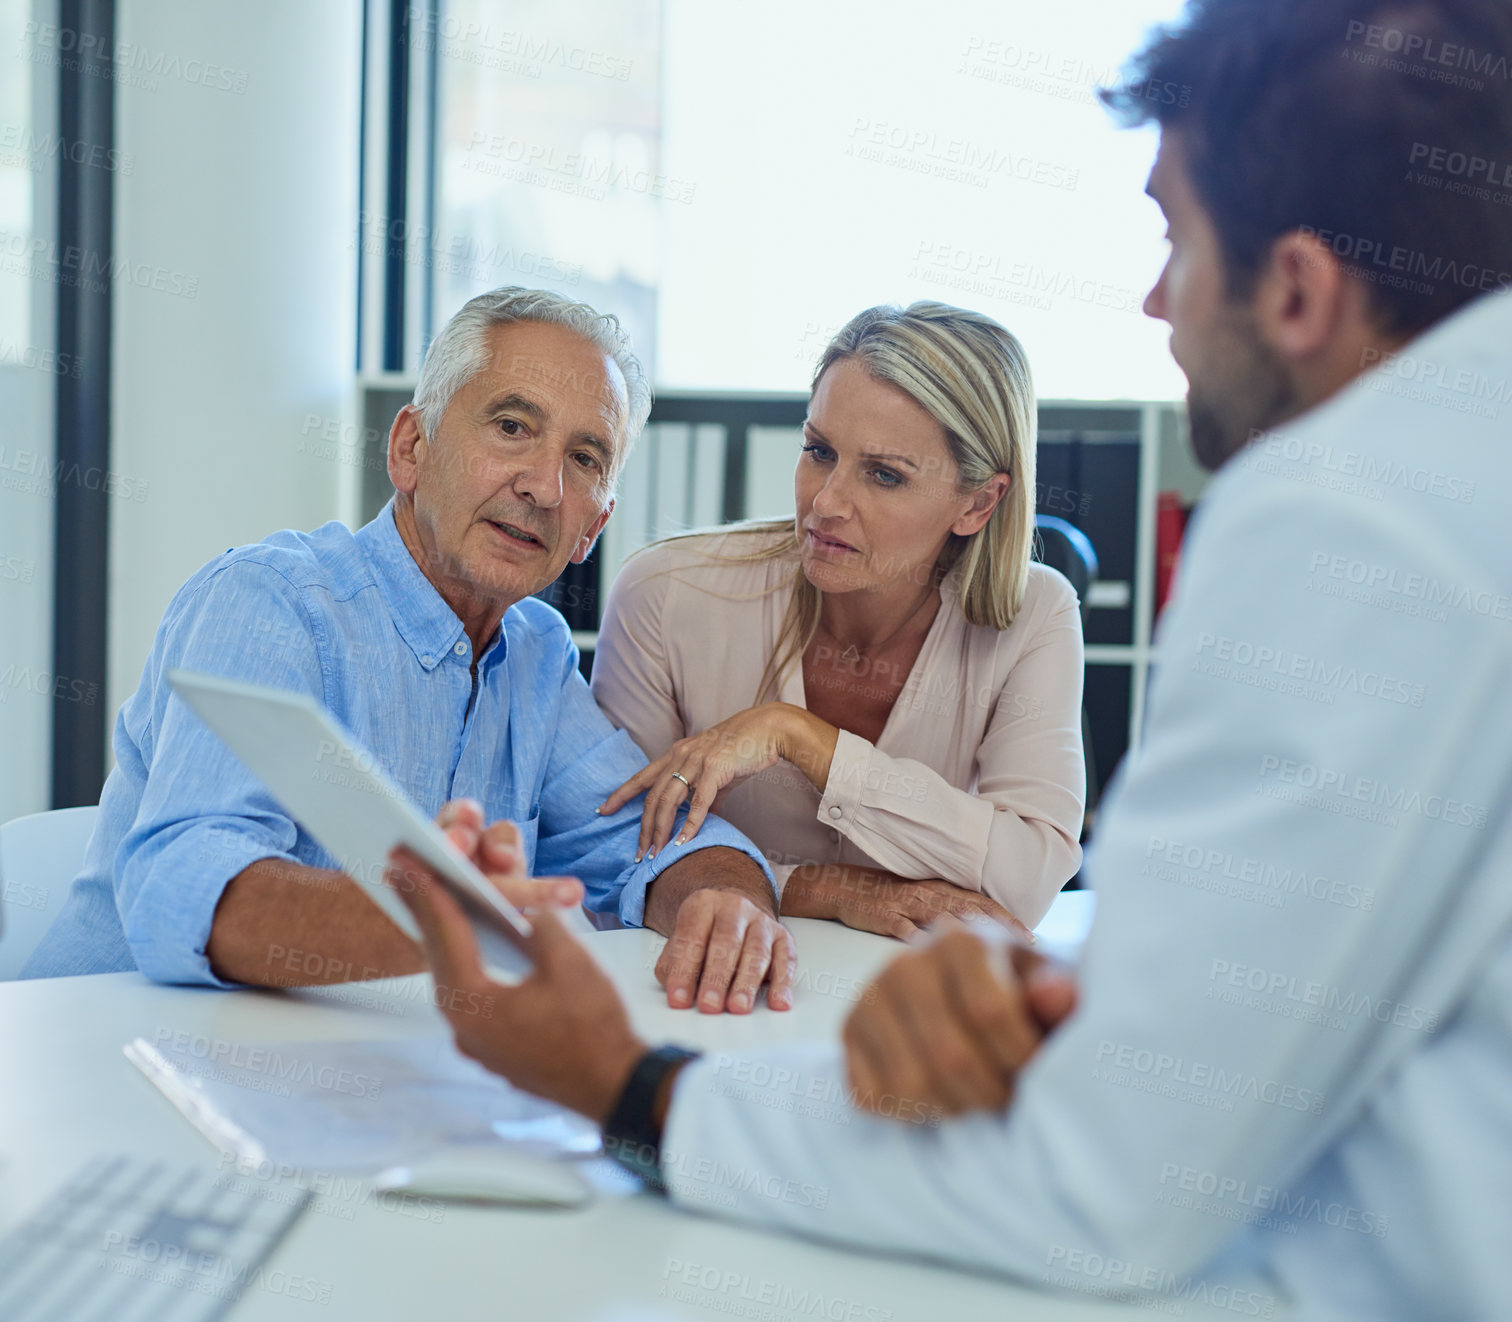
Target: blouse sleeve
1014 838
632 679
632 676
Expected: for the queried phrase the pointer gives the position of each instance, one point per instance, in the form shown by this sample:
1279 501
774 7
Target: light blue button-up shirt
350 619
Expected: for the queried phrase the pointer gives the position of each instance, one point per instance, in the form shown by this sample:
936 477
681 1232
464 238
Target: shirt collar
426 623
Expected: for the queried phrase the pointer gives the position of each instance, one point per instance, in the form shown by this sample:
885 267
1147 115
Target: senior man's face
515 483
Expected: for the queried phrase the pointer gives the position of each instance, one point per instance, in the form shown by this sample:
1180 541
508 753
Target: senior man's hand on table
719 915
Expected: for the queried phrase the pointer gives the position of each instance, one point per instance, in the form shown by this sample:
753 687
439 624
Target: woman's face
876 487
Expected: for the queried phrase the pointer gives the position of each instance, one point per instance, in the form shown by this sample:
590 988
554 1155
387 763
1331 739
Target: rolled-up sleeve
1015 836
589 760
203 816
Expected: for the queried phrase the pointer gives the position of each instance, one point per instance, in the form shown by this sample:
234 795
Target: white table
67 1093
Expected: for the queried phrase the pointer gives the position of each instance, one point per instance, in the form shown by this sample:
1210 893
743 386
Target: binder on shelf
1170 526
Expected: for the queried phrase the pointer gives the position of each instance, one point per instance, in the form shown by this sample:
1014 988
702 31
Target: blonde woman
883 693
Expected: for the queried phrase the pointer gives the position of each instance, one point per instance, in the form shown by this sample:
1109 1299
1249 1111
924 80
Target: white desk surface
67 1093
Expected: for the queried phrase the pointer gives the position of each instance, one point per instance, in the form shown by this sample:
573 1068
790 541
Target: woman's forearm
815 889
822 890
808 742
875 900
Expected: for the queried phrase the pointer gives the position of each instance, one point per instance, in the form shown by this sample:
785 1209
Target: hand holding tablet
494 849
361 817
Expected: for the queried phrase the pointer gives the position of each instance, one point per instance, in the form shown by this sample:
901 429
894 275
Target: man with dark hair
1285 1072
1374 141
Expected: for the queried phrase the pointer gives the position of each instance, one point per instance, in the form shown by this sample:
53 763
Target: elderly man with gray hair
420 633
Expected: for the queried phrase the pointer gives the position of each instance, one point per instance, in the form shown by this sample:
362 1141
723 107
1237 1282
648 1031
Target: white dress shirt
1292 1063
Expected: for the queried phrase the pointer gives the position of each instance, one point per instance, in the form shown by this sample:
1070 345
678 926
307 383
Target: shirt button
836 813
460 649
427 660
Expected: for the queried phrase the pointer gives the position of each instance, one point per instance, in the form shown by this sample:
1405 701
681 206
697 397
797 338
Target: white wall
28 392
245 196
26 586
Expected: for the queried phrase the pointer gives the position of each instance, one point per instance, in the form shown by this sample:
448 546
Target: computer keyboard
134 1240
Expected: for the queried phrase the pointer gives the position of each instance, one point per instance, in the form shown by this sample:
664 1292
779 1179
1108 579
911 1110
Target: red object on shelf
1170 525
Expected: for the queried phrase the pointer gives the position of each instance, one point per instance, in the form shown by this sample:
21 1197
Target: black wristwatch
631 1134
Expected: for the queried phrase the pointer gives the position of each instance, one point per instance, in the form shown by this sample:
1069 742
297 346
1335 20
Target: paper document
351 1106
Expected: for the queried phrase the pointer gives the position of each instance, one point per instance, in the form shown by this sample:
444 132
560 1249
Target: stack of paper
351 1106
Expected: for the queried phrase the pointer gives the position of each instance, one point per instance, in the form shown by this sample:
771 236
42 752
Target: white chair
40 856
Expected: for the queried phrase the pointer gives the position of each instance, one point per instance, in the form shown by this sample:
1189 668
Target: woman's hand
698 768
871 900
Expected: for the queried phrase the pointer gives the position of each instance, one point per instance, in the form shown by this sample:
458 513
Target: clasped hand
947 1026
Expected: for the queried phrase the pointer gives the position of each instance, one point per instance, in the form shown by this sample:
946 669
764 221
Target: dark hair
1382 126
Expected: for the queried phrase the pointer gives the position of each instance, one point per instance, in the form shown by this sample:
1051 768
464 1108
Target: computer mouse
491 1176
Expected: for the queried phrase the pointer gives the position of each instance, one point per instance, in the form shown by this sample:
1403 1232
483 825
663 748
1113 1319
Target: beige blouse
978 777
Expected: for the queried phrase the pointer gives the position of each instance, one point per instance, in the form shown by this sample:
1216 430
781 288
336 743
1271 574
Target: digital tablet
335 788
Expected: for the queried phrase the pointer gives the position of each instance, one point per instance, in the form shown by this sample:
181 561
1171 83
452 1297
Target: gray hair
459 352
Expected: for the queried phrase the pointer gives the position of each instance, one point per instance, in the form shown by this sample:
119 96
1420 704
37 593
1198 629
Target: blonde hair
971 376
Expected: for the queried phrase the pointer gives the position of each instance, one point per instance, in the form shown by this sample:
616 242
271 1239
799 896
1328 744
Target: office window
22 157
736 182
548 145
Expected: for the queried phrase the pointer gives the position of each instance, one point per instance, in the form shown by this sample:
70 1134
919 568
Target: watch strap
631 1135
